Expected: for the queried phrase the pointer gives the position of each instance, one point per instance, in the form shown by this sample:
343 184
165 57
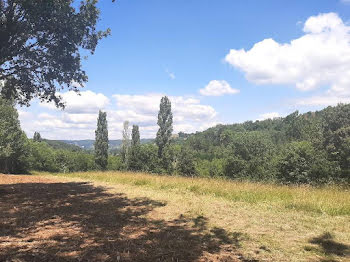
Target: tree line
310 148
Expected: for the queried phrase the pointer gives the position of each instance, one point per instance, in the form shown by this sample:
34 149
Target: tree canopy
13 141
101 141
165 123
40 47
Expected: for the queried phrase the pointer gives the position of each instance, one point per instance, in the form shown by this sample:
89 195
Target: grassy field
115 216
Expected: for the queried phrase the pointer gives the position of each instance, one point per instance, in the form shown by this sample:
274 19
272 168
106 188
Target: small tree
165 122
185 165
13 141
37 137
101 141
126 143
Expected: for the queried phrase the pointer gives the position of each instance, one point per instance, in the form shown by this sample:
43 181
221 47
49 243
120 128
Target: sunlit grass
330 200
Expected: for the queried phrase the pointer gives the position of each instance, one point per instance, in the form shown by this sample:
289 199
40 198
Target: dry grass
325 200
140 217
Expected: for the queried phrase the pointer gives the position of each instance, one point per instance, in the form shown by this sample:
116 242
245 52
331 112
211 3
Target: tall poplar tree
101 141
126 142
134 160
165 122
135 136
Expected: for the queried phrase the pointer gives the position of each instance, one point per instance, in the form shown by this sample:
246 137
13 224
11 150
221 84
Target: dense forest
310 148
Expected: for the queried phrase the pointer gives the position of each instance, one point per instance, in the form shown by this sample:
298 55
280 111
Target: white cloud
321 57
345 1
80 118
270 115
83 102
323 100
76 84
218 88
170 74
77 122
189 114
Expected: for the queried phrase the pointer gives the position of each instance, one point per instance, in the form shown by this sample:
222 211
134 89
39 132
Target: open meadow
116 216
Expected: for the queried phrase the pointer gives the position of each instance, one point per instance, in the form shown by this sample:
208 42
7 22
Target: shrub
300 163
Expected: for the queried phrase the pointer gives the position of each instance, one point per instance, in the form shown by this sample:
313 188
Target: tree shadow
81 222
329 247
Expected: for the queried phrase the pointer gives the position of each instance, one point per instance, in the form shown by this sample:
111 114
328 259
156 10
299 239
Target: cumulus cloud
77 122
321 57
270 115
189 114
323 100
83 102
218 88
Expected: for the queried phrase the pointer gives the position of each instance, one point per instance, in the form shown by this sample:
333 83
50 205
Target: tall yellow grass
329 200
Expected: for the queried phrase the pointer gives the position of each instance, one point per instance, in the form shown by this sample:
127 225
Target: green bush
185 162
115 163
301 163
13 141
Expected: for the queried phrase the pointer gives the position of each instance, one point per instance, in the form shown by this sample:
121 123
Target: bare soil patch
42 219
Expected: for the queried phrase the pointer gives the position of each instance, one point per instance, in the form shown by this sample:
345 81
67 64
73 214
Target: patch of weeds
303 207
194 188
141 182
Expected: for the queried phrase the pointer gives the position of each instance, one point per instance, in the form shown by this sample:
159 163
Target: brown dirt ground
42 219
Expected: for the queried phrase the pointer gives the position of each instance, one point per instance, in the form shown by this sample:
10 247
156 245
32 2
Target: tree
300 163
40 44
165 122
101 141
37 137
186 164
135 136
13 141
42 157
125 143
134 161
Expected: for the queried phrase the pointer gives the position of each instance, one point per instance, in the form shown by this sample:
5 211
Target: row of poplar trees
129 148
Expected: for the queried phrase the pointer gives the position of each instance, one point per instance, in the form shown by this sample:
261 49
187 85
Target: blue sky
178 47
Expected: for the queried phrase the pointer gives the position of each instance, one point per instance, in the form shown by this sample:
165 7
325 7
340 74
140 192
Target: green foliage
135 136
40 44
45 158
13 141
211 168
301 163
55 144
125 143
115 163
148 158
42 157
301 148
134 162
310 148
249 154
37 137
165 123
186 163
101 141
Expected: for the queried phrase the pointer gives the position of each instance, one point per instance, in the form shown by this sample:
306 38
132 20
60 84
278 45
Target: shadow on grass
80 222
329 247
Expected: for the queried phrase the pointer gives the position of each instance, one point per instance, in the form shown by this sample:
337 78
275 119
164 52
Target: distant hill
89 144
56 144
